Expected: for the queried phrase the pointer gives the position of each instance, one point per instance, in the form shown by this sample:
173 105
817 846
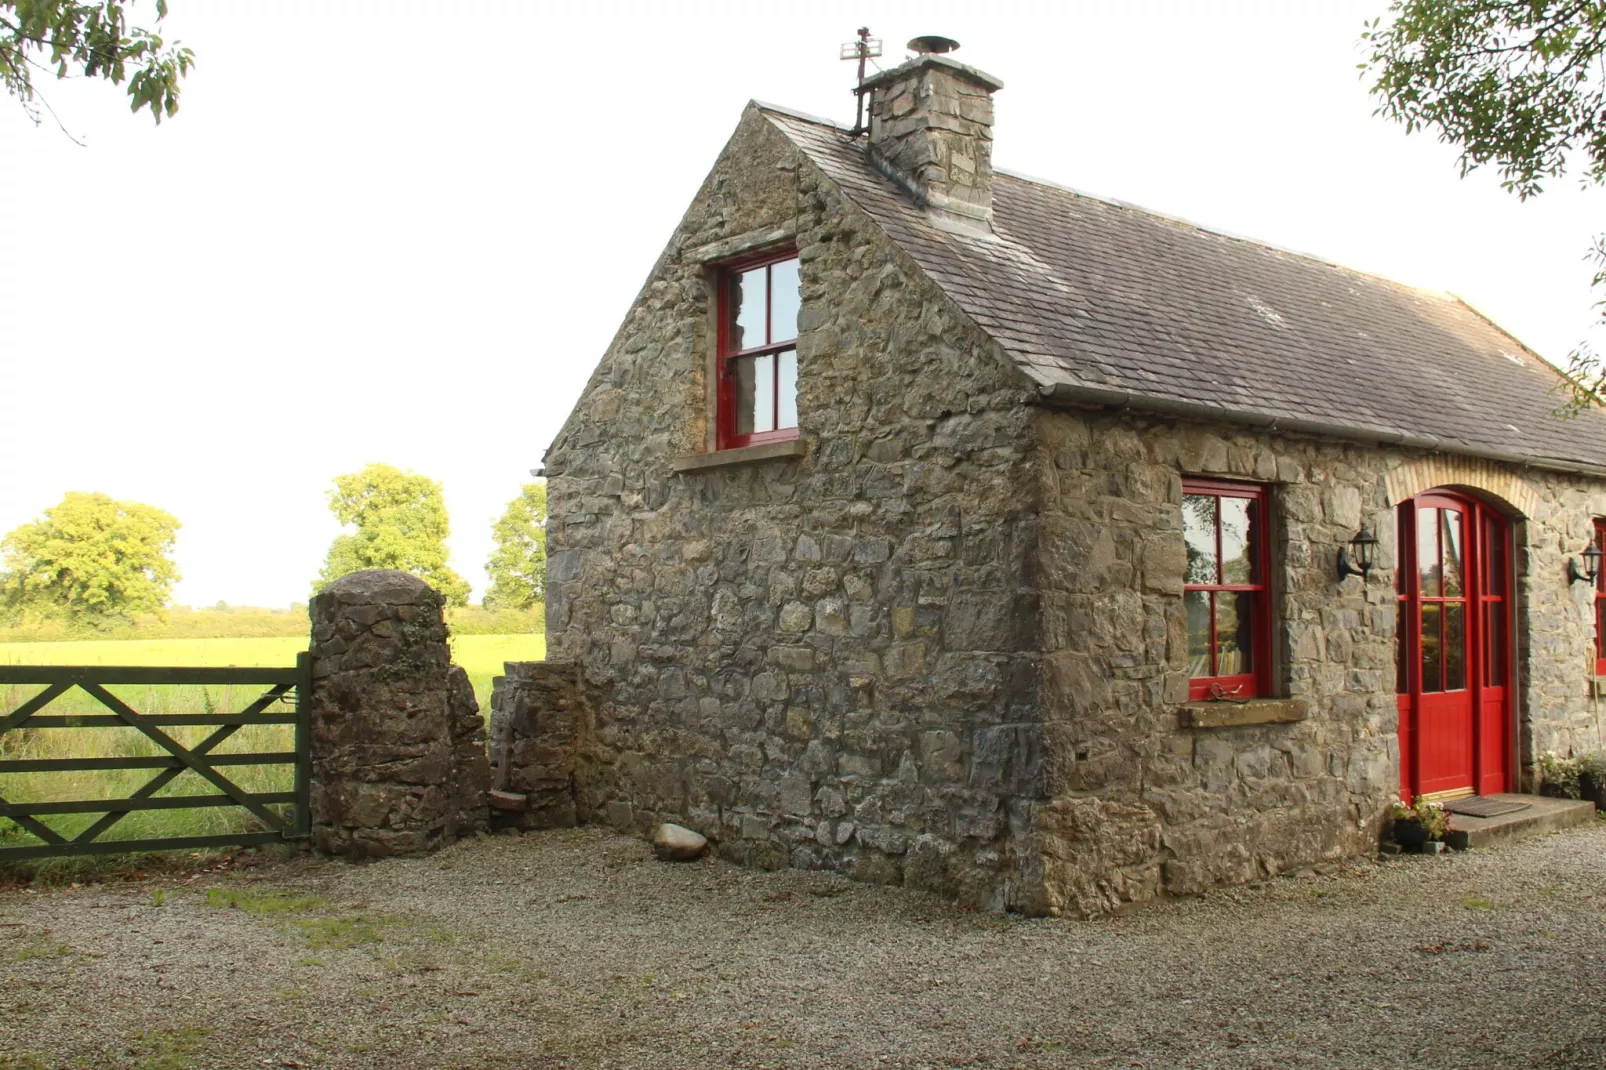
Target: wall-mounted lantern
1591 570
1357 558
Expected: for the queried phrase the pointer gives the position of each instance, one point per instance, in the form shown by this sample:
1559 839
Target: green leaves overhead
90 558
1514 83
90 40
400 520
1519 85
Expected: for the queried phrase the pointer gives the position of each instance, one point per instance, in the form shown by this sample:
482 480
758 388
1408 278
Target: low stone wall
539 717
398 746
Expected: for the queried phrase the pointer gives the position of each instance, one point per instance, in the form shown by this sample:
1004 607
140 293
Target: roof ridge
1221 232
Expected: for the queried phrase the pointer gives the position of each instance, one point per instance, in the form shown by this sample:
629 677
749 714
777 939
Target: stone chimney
931 131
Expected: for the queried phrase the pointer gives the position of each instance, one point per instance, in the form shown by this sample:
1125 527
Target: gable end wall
823 662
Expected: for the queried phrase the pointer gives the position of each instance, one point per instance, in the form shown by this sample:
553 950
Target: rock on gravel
676 843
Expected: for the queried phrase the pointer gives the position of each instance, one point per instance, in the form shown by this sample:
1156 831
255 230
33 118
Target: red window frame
1257 682
727 436
1600 599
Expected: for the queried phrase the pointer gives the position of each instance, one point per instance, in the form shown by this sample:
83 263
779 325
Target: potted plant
1592 780
1418 825
1558 776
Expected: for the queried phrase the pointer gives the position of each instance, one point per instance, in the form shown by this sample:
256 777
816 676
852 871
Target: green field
481 656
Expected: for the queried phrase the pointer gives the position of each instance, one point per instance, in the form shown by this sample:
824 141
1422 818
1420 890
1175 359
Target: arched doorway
1453 646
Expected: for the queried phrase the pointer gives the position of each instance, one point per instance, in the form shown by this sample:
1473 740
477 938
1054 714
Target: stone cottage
940 525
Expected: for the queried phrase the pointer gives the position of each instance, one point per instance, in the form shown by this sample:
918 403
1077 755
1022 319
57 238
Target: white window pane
786 398
785 299
747 310
763 404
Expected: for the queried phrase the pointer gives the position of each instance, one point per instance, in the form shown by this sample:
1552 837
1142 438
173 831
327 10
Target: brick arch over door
1413 477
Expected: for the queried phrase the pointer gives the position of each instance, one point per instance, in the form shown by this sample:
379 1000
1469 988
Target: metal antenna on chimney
865 48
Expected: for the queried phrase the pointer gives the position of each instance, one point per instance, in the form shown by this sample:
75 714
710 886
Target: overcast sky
406 232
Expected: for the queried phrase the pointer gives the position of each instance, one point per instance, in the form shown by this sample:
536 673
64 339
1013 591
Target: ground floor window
1224 526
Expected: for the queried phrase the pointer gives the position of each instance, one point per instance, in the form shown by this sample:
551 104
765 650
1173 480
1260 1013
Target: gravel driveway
575 949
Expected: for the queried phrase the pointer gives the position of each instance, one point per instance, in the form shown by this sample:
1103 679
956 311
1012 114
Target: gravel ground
576 949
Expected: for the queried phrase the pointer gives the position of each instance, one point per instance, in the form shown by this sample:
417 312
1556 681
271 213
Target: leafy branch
90 40
1519 85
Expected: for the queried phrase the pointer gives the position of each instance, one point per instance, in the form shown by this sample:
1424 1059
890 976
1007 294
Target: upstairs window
1600 601
1224 526
758 306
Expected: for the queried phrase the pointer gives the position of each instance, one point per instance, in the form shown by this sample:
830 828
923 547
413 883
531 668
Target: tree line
95 560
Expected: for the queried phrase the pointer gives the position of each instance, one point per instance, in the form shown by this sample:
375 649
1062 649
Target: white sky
405 232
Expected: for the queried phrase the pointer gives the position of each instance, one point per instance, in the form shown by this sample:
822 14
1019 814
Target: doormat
1484 806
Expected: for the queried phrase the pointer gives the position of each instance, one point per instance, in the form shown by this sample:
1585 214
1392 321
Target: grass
321 931
264 902
41 949
168 1049
252 622
481 656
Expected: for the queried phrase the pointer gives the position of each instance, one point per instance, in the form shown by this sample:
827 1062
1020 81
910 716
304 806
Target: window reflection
1199 534
1494 632
1455 646
1450 544
1427 550
1237 563
747 309
1432 679
1233 640
1198 606
744 394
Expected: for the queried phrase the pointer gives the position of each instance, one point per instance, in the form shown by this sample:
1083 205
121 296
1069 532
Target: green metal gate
285 687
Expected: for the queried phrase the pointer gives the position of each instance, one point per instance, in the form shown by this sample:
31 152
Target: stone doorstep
1543 815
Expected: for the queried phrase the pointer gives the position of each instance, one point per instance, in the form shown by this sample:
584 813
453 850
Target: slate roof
1106 300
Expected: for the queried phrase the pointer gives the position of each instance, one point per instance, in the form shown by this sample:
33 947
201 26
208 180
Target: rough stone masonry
398 745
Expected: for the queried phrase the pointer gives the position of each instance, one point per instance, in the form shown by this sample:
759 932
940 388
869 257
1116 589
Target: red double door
1453 650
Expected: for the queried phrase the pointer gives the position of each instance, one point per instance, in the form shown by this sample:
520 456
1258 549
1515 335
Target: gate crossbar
284 684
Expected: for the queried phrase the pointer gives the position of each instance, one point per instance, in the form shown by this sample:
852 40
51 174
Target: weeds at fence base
132 868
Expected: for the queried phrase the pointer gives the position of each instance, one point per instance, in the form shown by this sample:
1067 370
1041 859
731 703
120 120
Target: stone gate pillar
398 746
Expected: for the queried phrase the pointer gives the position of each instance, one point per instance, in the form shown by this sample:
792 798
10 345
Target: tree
518 564
401 523
89 40
91 558
1515 83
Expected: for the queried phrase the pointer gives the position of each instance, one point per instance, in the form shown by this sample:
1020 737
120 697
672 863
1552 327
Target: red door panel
1444 734
1453 653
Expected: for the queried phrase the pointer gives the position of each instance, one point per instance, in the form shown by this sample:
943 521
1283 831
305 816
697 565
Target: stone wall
1556 651
1142 804
398 746
819 661
542 743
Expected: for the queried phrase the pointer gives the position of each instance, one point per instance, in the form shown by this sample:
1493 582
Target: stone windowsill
792 448
1235 714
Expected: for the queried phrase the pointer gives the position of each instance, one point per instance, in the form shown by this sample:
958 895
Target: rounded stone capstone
386 585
